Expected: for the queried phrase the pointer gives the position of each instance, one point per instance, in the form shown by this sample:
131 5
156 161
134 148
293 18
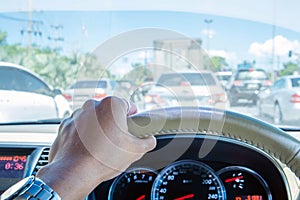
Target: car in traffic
224 77
186 88
25 96
281 101
245 85
83 90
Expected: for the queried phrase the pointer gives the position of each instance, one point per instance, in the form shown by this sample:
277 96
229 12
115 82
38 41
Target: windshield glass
152 54
295 82
252 75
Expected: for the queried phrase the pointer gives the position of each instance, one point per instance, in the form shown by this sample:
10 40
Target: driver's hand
92 146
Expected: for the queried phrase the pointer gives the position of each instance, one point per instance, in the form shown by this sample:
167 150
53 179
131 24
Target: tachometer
187 179
135 184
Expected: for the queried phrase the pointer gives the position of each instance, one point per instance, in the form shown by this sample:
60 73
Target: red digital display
12 166
249 197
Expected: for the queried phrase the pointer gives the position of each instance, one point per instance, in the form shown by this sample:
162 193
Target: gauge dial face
135 184
185 180
244 183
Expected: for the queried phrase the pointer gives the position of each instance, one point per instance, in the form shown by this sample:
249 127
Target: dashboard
186 165
210 168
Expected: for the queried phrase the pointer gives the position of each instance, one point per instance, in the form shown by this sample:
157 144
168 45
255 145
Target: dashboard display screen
12 169
12 166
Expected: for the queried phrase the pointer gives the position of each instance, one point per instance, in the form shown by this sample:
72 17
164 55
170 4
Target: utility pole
29 28
32 26
56 38
208 34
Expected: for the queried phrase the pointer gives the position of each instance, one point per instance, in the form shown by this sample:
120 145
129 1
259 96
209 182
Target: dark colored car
245 85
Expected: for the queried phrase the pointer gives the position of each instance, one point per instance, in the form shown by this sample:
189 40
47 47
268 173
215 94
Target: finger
149 143
132 109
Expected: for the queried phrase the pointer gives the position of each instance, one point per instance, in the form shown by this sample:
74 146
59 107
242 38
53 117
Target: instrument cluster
190 179
230 170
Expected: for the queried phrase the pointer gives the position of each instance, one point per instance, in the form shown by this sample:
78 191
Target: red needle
141 197
185 197
233 179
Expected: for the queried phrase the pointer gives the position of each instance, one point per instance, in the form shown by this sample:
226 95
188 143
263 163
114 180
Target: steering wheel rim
212 121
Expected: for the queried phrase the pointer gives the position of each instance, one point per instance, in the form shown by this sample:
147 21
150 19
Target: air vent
43 160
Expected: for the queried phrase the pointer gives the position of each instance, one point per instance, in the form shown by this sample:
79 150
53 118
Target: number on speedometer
187 179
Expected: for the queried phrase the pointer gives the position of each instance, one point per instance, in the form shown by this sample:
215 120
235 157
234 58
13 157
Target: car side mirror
56 92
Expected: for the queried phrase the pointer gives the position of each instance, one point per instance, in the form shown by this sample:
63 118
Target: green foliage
218 63
138 74
289 69
55 69
89 67
58 70
3 36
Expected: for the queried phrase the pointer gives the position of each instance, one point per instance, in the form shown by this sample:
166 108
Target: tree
3 36
138 74
89 67
289 69
218 63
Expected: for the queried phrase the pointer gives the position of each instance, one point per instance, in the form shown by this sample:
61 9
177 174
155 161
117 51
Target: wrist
71 180
30 188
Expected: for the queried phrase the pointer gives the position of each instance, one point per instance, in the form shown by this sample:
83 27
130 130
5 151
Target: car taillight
67 97
267 83
154 99
295 98
237 83
217 98
99 95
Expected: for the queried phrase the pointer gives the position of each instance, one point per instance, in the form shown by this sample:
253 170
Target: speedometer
187 179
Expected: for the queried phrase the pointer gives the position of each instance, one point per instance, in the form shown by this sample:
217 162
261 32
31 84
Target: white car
83 90
282 100
23 96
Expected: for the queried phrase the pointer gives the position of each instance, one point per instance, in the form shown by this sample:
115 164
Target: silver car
282 100
83 90
187 88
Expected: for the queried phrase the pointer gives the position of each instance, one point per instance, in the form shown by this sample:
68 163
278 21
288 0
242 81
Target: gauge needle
233 179
141 197
185 197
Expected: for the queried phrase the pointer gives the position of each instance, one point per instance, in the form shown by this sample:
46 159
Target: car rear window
195 79
252 75
295 82
90 84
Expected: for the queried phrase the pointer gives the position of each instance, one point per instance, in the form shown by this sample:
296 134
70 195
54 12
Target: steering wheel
229 124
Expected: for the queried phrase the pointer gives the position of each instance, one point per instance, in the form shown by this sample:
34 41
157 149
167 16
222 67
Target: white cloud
281 47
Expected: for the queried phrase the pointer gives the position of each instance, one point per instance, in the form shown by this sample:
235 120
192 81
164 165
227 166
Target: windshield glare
48 56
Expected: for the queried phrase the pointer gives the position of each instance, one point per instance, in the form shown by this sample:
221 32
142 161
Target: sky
82 31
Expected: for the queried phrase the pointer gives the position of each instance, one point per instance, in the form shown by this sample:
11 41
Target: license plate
252 86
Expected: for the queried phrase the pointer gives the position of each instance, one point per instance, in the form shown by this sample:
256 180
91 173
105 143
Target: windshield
50 52
295 82
252 75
